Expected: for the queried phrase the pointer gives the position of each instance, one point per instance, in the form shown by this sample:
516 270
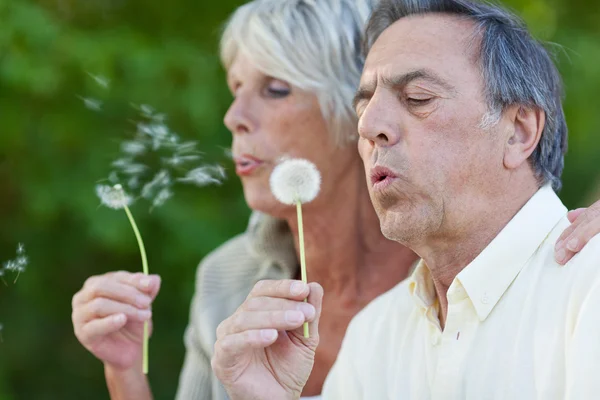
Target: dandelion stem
145 267
302 255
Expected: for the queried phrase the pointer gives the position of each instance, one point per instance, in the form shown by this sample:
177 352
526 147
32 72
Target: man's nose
380 121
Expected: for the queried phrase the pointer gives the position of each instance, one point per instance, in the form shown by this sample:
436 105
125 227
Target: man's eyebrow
400 81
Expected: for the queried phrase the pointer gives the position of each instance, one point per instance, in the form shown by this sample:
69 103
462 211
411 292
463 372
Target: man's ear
526 132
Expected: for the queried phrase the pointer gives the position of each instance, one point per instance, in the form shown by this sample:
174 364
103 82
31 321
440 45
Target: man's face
421 103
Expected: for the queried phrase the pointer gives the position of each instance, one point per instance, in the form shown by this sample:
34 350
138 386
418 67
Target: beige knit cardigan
223 280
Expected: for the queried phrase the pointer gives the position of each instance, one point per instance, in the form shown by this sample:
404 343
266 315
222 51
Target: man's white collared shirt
519 326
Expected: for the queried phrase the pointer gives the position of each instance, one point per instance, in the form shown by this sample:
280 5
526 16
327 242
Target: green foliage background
53 150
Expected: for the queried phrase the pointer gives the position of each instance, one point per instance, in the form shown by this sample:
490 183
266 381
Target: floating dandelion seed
100 80
134 169
228 153
92 104
187 147
133 182
133 147
162 196
113 177
122 162
18 264
296 181
203 176
161 180
177 159
146 109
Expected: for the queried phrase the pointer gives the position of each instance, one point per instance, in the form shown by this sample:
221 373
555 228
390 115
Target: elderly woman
292 67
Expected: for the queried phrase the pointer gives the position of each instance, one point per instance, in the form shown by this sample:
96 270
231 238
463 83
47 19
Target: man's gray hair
314 45
517 70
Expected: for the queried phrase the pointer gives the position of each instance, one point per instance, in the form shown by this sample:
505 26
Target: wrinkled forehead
439 42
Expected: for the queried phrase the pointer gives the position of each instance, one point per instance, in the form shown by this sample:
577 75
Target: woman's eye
277 88
278 92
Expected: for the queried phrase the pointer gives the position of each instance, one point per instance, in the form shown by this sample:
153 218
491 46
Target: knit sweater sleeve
223 280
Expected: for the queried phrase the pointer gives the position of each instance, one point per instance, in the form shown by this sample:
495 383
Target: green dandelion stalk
145 268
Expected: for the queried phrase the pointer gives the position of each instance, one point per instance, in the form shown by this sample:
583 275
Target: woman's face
270 119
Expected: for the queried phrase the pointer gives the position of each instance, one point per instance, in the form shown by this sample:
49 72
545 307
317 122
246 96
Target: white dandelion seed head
295 180
113 197
20 248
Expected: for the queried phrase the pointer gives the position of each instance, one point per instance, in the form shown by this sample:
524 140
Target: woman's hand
109 314
585 224
261 352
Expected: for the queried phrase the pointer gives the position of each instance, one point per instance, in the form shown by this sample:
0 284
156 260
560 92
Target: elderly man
462 137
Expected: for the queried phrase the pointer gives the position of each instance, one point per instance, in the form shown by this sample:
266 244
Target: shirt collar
490 274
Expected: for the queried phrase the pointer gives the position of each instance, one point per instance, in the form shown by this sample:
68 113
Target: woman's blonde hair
314 45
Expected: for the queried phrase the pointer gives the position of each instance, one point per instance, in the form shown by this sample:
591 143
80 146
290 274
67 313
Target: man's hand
261 353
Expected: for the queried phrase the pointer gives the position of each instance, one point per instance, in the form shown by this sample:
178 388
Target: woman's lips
381 178
246 164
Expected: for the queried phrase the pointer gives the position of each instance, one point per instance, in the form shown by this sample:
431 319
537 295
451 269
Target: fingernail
572 245
119 319
145 282
558 244
268 334
144 314
560 256
307 309
297 288
294 317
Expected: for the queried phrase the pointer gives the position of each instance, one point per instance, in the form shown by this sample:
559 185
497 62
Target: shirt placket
452 346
